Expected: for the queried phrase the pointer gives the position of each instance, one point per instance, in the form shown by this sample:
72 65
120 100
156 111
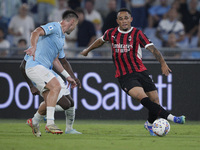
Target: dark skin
68 68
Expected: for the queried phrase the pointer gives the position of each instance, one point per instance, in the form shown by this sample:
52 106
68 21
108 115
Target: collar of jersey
125 31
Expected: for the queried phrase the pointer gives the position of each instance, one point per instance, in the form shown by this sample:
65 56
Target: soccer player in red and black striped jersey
126 43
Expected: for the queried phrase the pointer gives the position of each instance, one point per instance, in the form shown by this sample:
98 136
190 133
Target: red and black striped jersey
126 49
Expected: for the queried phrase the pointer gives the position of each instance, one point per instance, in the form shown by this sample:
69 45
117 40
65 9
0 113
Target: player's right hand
31 52
84 52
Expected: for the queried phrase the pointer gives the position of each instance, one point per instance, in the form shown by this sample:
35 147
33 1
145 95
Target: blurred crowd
174 24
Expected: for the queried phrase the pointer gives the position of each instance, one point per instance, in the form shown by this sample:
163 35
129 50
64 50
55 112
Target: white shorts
40 76
64 90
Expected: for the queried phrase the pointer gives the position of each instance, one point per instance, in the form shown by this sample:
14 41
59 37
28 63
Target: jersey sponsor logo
50 27
122 48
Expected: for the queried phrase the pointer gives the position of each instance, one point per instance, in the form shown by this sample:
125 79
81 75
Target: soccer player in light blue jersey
64 102
46 47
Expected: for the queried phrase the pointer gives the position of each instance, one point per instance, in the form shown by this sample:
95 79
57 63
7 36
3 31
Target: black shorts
137 79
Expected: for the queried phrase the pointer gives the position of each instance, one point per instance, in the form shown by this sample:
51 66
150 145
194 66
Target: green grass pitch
99 135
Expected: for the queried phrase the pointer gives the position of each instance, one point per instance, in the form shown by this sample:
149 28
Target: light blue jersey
48 46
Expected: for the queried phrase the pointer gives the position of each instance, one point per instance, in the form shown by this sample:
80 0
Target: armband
65 74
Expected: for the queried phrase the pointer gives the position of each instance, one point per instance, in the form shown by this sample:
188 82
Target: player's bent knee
71 100
64 102
57 88
54 85
137 93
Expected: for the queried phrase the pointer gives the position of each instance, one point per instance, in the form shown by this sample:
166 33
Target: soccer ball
161 127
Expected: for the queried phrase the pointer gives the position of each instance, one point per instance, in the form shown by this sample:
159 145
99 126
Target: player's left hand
31 52
72 82
165 69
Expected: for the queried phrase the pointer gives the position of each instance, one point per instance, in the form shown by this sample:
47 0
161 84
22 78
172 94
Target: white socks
37 118
58 108
50 115
69 113
170 117
70 117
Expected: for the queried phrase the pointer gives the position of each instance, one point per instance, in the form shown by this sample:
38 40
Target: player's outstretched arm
99 42
164 67
34 90
68 68
34 39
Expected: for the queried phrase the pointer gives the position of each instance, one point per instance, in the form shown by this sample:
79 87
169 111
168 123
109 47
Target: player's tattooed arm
99 42
164 67
156 54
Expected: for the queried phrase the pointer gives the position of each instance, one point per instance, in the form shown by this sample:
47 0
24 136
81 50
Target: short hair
22 40
124 9
80 10
68 14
